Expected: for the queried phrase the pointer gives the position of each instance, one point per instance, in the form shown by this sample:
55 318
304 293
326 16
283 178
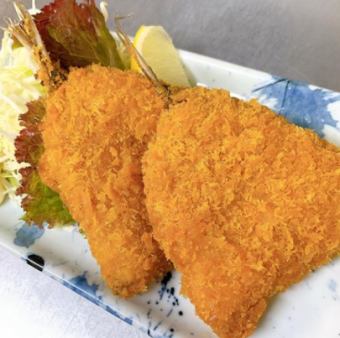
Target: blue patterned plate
309 309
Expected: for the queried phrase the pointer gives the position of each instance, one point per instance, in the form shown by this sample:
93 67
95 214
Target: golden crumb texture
243 203
96 129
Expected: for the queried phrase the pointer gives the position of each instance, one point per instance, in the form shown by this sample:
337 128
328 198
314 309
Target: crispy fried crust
242 202
95 132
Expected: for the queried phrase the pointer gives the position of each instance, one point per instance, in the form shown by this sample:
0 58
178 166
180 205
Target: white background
34 306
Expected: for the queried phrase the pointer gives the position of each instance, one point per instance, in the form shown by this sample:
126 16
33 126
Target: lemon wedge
156 47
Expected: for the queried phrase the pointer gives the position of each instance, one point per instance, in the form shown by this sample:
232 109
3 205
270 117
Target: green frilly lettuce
41 204
75 35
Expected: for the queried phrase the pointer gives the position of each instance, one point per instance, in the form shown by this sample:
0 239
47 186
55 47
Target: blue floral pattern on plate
303 105
64 254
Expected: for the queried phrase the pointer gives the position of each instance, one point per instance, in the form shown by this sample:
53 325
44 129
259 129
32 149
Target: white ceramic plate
310 309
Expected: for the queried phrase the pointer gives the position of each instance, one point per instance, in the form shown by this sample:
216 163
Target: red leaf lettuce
76 34
41 204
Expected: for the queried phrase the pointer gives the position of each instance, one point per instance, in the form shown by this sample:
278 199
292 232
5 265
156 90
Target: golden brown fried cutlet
96 129
242 202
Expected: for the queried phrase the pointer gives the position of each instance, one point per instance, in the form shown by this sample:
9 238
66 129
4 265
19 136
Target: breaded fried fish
242 202
96 128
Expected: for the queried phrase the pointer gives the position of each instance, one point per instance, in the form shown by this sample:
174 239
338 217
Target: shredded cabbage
18 86
9 169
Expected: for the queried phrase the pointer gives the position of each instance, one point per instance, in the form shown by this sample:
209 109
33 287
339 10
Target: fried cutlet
96 129
242 202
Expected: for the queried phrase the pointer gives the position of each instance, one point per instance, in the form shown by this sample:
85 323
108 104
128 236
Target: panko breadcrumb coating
242 202
96 129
